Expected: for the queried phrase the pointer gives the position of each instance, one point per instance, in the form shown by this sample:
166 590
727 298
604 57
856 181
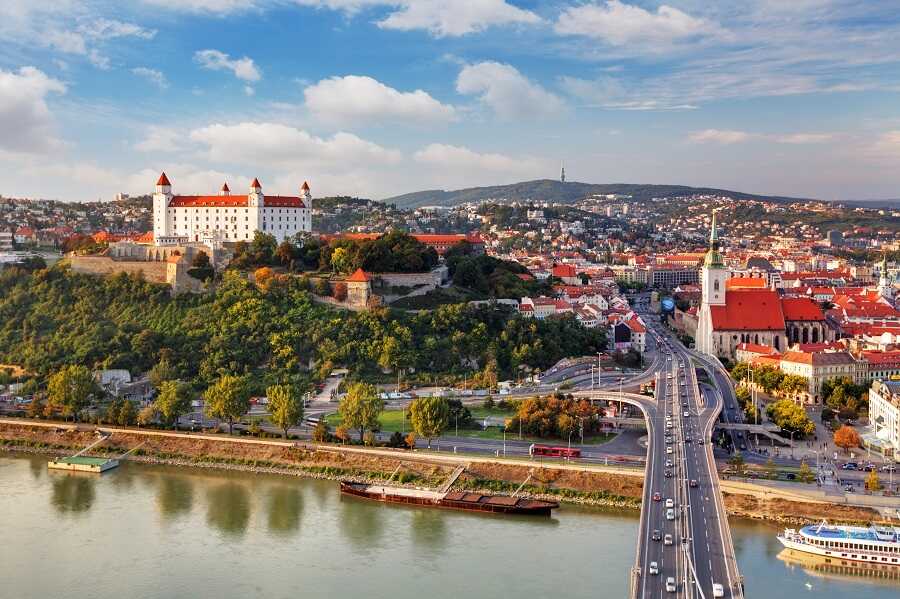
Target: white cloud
443 18
728 137
204 6
105 29
154 76
249 91
69 42
507 92
621 24
186 179
610 93
98 60
448 156
268 144
25 118
361 99
243 68
160 139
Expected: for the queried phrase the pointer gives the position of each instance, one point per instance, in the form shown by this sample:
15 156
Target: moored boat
871 545
456 500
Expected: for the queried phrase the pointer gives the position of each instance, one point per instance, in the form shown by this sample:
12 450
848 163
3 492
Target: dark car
656 536
790 476
693 483
668 474
850 466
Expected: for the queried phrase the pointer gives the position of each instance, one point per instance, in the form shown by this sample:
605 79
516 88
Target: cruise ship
872 544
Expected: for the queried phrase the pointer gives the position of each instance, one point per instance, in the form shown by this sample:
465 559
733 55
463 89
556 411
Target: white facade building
884 413
226 217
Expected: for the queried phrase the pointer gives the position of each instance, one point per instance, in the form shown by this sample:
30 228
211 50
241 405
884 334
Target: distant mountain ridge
543 190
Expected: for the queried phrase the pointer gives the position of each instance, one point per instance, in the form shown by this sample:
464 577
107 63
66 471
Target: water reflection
37 465
285 507
361 521
228 508
174 496
429 528
73 492
826 568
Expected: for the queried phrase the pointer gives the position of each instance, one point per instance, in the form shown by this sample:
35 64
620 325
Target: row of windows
842 545
234 210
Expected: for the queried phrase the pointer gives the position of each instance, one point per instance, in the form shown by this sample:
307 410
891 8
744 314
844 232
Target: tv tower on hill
562 175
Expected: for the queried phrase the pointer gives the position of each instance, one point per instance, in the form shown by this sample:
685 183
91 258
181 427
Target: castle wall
154 272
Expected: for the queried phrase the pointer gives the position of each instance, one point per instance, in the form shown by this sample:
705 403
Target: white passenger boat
872 544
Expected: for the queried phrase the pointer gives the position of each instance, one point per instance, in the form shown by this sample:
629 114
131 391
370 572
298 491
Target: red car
657 497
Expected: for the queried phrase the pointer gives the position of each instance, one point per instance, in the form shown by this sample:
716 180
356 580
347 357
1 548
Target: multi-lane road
698 554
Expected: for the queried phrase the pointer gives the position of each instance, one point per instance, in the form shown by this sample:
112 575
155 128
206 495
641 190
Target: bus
553 452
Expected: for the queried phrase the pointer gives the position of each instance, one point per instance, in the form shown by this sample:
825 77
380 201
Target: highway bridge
697 558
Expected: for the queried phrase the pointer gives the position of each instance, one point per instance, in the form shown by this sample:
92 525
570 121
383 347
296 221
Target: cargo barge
454 500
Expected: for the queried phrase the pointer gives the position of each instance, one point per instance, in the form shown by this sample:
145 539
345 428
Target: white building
224 217
884 413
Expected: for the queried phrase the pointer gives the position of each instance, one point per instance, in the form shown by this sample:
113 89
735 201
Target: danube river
160 532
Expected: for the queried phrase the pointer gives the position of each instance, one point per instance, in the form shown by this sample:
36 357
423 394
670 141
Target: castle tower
255 198
161 199
225 191
713 279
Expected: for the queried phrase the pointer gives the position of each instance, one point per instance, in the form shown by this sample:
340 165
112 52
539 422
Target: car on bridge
670 502
657 496
670 514
654 568
693 483
670 584
667 540
656 536
717 589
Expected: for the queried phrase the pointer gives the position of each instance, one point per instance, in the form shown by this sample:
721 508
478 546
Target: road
701 552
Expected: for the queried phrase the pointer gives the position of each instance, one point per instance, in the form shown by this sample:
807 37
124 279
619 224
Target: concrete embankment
563 482
579 483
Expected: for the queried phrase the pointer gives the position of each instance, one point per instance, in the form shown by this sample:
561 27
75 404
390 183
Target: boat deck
854 533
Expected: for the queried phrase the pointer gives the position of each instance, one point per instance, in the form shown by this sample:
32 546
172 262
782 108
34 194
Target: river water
160 532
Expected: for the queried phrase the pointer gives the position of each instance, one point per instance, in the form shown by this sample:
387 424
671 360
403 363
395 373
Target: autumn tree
360 408
805 475
429 416
285 406
227 399
846 438
872 481
174 399
70 389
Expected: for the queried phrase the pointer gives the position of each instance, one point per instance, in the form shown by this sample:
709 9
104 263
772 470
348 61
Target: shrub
369 439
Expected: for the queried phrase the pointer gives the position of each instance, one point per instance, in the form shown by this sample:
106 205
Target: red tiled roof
763 350
163 180
255 184
526 308
225 186
305 186
563 270
234 202
745 283
360 276
882 357
801 309
748 310
635 325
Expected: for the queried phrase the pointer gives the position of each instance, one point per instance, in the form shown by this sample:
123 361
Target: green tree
285 406
201 268
128 413
737 462
805 475
161 372
429 416
360 408
228 399
70 389
321 433
174 399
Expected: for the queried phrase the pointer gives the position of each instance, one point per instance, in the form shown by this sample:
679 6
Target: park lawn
392 420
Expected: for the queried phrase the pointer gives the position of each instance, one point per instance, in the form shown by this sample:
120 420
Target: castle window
716 285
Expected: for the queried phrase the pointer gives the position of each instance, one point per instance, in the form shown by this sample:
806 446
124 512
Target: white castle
224 217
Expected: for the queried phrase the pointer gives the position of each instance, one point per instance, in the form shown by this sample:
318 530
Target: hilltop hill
569 192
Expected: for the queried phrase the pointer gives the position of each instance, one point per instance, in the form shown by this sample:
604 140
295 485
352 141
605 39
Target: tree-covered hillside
548 190
51 318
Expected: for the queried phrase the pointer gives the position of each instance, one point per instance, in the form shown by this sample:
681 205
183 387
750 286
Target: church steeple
713 256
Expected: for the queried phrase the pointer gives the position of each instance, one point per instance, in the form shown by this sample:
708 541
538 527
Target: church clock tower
713 279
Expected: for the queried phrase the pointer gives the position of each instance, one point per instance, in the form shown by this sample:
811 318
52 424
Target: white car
667 540
654 568
669 464
718 591
669 449
670 514
670 584
670 503
685 414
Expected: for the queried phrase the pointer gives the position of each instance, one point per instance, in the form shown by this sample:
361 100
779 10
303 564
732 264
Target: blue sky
376 98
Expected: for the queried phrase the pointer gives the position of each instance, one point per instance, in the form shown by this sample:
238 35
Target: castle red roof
255 183
234 202
163 180
305 186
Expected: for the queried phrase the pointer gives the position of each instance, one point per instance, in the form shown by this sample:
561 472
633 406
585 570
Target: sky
374 98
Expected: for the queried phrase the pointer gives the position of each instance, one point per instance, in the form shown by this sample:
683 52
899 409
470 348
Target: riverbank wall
587 484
